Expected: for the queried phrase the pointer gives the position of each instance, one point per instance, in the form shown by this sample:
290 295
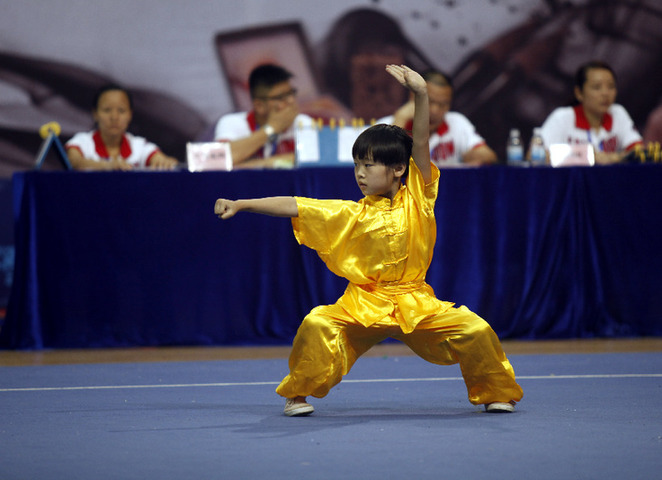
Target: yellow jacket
383 248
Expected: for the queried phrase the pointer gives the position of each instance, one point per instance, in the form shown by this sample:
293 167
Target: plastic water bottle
537 153
514 149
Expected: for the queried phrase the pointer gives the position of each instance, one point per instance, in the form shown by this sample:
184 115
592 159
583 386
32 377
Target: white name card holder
206 156
307 146
346 137
326 146
565 155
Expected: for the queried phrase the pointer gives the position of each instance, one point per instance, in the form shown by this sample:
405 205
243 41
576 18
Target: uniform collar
384 203
443 128
582 122
251 120
102 151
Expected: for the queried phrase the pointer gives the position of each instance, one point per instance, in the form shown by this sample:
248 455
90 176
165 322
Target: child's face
375 178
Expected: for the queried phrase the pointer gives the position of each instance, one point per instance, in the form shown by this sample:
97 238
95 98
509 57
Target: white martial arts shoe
297 409
500 407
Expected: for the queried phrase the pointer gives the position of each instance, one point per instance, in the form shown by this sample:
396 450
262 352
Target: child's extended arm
274 206
421 129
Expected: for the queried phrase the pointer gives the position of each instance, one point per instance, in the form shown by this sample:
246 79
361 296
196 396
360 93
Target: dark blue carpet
582 417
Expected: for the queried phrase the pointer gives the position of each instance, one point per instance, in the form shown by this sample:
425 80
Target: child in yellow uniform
383 245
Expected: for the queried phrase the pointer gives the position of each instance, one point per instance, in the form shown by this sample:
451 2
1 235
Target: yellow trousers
329 341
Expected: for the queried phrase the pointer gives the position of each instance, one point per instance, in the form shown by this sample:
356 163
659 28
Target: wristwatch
271 133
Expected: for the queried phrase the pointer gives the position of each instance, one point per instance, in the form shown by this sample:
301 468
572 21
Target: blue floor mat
582 416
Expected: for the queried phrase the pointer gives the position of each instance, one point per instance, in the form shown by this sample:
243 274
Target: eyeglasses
282 97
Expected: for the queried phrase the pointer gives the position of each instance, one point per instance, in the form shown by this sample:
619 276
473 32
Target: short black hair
107 88
581 75
266 76
389 145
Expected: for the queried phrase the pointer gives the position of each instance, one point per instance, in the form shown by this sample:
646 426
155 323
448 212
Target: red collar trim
102 151
251 120
443 128
582 122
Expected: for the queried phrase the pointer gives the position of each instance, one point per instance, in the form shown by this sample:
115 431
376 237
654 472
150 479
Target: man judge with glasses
264 137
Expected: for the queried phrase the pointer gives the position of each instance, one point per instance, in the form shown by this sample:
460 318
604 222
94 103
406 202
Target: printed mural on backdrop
511 80
515 79
520 77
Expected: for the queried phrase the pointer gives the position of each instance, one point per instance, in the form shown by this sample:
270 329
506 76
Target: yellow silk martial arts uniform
384 249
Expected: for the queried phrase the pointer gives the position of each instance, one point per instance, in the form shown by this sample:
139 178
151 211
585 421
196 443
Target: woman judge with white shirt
595 119
110 146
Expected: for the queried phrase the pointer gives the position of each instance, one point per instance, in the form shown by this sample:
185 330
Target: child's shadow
330 417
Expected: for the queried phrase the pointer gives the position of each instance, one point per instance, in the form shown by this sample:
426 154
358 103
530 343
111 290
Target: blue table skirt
139 259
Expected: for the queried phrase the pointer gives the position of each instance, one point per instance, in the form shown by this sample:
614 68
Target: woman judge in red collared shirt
595 119
110 146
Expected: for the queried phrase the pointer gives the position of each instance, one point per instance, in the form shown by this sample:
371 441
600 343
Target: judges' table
139 259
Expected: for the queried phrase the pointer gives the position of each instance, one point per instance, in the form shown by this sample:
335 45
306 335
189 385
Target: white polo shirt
136 151
569 125
454 137
234 126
